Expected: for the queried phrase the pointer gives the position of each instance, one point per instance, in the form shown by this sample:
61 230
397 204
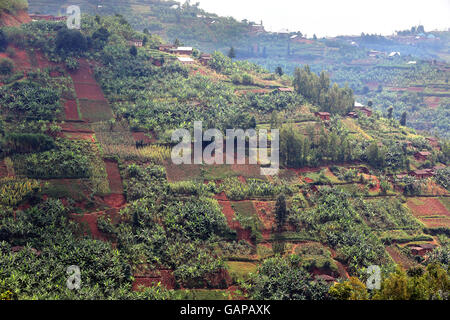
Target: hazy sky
336 17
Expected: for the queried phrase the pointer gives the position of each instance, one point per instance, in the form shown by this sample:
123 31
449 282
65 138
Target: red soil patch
242 234
373 179
43 62
308 180
71 110
152 278
79 136
90 220
432 102
75 128
142 136
411 89
14 20
265 210
242 179
20 59
115 200
436 222
114 179
221 196
341 268
400 258
84 74
427 207
88 91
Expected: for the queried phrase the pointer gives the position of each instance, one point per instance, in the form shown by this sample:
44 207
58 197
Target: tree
6 66
100 37
369 103
352 289
231 53
279 71
70 41
281 278
374 156
133 51
280 211
389 112
403 119
177 43
252 123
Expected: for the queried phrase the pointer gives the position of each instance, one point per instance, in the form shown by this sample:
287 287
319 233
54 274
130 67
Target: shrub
247 79
6 66
72 64
26 142
13 191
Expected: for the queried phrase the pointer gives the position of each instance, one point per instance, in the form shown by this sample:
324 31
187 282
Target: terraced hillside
88 180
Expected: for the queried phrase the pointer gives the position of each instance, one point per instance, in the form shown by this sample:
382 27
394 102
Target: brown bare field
114 178
265 212
71 110
400 258
422 207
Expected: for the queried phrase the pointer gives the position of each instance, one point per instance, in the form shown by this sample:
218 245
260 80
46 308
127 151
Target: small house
325 116
166 47
135 42
185 60
182 51
352 114
422 174
422 249
422 155
204 59
365 110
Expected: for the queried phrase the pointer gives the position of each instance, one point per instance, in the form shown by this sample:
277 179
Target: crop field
95 110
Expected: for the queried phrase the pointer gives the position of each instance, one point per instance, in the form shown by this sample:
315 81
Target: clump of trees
417 283
317 89
298 150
